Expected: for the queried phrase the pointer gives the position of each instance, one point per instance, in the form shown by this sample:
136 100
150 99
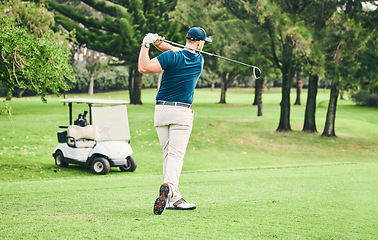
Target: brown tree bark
284 124
309 121
92 78
329 128
22 90
259 98
223 88
135 85
137 89
299 86
91 85
131 82
226 79
257 83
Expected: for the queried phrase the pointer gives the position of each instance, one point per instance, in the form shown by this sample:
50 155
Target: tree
281 31
94 62
347 38
365 85
31 62
319 13
309 124
228 42
35 21
117 28
233 42
34 17
219 24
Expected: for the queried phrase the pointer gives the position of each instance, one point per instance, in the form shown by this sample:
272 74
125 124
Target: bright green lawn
247 181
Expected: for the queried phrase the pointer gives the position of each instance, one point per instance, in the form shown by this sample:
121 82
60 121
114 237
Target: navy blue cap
197 34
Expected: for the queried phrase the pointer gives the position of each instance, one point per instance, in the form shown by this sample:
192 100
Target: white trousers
173 126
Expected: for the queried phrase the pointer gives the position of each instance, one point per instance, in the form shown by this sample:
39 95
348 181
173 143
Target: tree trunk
22 90
9 94
223 88
342 95
131 82
259 99
256 100
284 124
329 128
91 85
137 88
309 121
299 86
94 74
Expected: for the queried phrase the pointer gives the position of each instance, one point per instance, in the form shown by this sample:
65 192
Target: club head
256 72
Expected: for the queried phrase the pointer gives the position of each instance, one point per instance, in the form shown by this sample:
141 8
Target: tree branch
272 45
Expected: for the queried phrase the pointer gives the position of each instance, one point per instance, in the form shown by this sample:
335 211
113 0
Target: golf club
256 71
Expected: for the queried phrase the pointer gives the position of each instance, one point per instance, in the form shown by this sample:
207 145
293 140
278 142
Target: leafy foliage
35 18
31 62
6 109
365 98
118 27
228 41
111 79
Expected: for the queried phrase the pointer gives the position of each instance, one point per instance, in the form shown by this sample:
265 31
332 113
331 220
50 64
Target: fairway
248 181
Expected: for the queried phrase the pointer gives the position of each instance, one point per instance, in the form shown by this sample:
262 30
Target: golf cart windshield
112 122
110 117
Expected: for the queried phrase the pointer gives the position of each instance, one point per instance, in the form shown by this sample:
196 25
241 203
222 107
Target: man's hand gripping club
145 64
150 38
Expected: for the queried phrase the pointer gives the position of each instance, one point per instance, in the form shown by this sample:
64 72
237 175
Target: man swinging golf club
173 111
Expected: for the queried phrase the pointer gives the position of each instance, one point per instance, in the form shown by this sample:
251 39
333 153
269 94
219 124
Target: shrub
113 78
364 98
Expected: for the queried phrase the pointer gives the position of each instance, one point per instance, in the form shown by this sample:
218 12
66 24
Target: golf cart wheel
130 166
100 166
59 159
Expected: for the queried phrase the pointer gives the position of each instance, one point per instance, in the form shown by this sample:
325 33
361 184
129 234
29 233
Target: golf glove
150 38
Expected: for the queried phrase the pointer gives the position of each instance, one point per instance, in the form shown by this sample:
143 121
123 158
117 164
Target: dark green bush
364 98
112 79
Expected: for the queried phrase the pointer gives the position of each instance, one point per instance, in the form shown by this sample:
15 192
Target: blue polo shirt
181 72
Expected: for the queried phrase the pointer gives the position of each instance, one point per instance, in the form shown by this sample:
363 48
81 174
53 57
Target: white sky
369 5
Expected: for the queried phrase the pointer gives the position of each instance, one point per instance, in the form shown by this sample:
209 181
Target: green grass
247 181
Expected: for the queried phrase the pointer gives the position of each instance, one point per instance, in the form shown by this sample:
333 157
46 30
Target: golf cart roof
93 101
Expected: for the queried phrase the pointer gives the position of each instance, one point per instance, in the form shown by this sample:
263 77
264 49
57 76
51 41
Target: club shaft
211 54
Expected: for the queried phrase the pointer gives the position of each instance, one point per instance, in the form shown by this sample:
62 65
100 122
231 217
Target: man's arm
163 46
145 64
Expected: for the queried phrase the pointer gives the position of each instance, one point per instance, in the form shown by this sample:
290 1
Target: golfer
173 111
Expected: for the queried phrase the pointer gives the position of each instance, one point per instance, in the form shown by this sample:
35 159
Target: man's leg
165 191
178 141
163 134
173 126
174 140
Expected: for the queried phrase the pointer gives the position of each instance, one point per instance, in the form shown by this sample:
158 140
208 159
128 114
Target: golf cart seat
82 137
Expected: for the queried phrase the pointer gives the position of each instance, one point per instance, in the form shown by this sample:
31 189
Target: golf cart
100 144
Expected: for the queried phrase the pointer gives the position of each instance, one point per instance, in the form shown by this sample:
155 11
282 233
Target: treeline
296 43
